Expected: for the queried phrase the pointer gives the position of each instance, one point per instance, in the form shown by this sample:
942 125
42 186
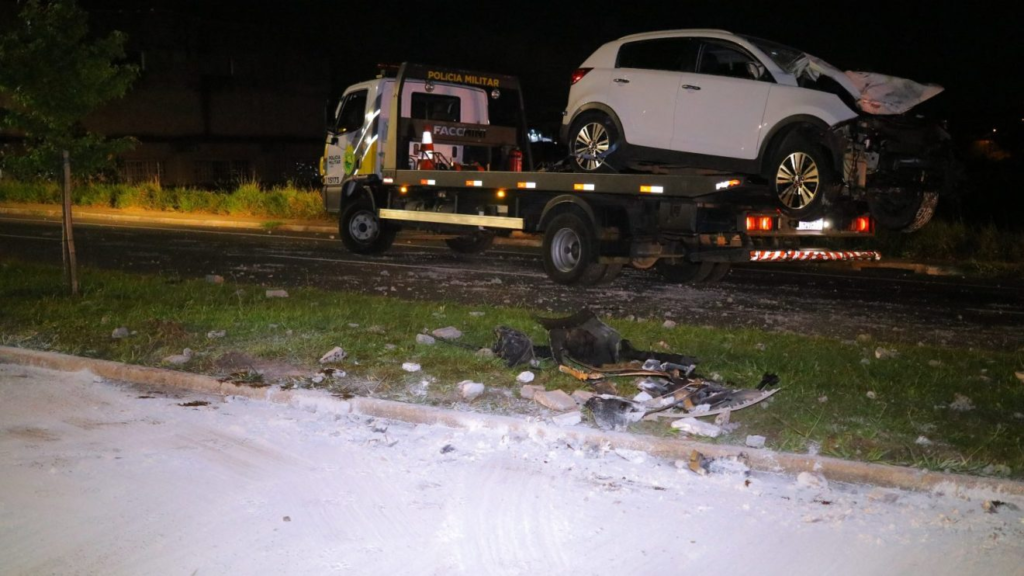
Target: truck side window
353 112
436 107
671 54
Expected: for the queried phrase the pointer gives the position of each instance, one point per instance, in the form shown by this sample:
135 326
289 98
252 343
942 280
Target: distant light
501 193
993 130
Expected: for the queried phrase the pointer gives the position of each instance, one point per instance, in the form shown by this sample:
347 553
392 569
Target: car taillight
578 75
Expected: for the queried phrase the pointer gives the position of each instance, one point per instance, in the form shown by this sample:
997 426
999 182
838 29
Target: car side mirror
334 140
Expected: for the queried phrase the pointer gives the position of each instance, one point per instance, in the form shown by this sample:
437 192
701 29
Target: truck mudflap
813 255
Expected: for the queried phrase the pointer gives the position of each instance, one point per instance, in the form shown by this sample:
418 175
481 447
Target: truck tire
362 232
471 243
593 140
720 271
681 271
570 250
598 274
802 178
902 210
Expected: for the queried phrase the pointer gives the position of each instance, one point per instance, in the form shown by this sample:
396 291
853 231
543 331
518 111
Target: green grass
911 390
248 199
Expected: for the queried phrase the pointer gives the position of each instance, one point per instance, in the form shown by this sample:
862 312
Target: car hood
875 93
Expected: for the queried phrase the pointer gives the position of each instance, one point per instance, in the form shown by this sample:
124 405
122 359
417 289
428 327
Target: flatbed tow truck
418 148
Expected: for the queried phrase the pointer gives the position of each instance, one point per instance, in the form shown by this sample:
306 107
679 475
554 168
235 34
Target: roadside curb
833 469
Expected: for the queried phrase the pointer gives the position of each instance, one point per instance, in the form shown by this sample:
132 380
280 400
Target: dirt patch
243 367
31 434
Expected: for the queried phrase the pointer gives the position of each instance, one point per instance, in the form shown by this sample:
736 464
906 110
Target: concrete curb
833 469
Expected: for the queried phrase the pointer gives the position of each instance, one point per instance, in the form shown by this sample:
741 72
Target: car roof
713 32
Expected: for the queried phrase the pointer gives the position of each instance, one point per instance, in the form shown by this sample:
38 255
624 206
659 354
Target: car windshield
782 55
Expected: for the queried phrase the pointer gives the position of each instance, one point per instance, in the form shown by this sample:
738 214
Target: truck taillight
861 224
760 223
578 75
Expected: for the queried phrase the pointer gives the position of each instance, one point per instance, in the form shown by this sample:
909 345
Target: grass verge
838 397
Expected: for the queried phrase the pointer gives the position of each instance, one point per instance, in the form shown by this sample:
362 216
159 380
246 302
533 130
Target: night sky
973 49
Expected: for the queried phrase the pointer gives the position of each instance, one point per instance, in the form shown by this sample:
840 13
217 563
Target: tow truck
446 151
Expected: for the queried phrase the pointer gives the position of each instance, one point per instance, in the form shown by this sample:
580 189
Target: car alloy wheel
591 145
797 180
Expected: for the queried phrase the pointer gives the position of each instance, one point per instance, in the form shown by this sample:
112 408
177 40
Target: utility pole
67 235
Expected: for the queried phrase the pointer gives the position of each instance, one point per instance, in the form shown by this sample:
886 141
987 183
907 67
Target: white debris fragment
567 418
1019 375
813 448
811 480
179 359
935 363
389 347
353 325
121 332
865 361
336 354
871 395
761 346
729 465
961 403
485 353
642 397
447 333
214 334
634 456
529 390
555 400
410 367
696 427
923 441
525 377
317 378
476 313
581 396
339 374
822 399
214 279
424 339
723 418
863 338
668 324
470 390
277 293
754 441
885 353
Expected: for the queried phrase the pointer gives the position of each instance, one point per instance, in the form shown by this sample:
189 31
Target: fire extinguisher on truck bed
515 160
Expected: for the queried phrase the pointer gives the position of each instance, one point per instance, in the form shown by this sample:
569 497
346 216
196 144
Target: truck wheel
598 274
680 271
901 209
362 232
570 250
802 177
471 243
593 140
720 270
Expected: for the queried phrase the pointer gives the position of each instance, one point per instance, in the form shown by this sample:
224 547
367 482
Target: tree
52 75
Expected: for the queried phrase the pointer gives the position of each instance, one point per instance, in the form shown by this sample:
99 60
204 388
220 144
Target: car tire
802 178
681 271
902 210
471 243
593 143
570 250
362 231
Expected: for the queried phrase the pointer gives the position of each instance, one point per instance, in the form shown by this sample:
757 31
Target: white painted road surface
105 478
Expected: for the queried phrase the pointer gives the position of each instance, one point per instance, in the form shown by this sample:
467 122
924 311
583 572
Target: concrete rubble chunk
410 367
529 390
885 353
961 403
567 418
668 324
525 377
120 332
277 293
214 279
811 480
447 333
214 334
642 397
723 418
581 396
425 339
755 441
485 353
697 428
336 354
179 359
470 390
555 400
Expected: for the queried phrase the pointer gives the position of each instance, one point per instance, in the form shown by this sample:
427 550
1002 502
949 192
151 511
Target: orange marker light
501 193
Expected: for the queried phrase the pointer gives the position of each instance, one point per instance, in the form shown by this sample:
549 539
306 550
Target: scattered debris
567 418
923 441
696 427
120 332
993 506
287 518
410 367
961 403
643 397
614 413
336 354
554 399
277 293
935 363
214 279
864 338
525 377
668 324
512 346
447 448
179 359
214 334
723 418
885 354
470 390
581 396
485 353
390 347
447 333
317 378
822 399
195 404
871 395
353 325
811 480
699 463
755 441
760 346
476 313
738 464
1019 375
529 390
998 470
425 339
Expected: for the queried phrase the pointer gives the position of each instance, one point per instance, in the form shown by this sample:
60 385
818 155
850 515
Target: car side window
352 113
672 54
719 58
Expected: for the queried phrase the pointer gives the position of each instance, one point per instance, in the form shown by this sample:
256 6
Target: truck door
351 122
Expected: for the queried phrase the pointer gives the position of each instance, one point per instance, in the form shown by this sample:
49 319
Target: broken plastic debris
277 293
568 418
410 367
696 427
554 399
614 413
699 463
336 354
179 359
961 403
470 390
525 377
513 346
212 334
811 480
121 332
755 441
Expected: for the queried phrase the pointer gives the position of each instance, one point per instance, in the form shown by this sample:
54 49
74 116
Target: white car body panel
646 103
723 118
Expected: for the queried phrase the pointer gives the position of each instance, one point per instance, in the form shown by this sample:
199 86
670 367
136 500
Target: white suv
716 100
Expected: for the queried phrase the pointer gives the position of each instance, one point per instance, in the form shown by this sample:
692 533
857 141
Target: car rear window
672 54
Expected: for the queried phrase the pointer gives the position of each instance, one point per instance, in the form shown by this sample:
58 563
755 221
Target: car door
719 109
644 85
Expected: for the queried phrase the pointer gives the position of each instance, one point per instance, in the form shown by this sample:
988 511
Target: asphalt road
808 299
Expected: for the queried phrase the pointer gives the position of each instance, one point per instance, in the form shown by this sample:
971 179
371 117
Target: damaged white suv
715 100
